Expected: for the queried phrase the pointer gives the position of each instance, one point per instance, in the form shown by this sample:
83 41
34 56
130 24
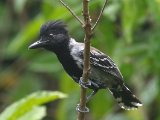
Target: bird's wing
104 63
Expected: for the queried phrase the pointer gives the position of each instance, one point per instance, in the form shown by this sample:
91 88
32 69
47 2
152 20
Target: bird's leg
91 95
88 99
84 84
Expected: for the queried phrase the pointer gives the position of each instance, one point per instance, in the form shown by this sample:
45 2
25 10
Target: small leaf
26 104
36 113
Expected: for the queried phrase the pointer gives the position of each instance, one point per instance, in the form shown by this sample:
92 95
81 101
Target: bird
104 73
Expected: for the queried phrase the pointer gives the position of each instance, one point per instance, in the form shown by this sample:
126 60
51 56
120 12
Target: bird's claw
84 84
78 109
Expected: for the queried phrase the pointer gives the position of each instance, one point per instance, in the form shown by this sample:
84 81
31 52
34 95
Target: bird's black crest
53 25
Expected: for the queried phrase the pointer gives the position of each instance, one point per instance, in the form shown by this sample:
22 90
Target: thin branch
88 34
100 15
72 12
86 54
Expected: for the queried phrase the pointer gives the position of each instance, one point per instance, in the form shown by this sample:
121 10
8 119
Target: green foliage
24 37
28 107
129 32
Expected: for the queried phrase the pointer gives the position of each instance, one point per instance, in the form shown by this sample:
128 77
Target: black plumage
104 73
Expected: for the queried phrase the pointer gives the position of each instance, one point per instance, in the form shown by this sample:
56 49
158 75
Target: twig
100 15
86 54
88 34
72 12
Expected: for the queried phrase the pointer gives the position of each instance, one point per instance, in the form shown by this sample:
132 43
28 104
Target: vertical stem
86 54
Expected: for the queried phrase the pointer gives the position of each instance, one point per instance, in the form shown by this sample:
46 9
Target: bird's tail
125 98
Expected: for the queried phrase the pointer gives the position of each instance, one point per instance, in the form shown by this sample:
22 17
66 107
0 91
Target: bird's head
52 35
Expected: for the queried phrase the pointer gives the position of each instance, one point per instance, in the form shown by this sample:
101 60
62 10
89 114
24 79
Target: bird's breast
71 66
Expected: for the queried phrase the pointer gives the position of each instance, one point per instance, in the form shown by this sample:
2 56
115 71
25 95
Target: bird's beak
38 44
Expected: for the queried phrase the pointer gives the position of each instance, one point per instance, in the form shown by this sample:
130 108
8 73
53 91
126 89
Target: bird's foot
84 84
78 109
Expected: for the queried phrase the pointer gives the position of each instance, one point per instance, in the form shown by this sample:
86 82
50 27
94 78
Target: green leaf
132 14
19 5
154 8
113 8
36 113
21 41
25 105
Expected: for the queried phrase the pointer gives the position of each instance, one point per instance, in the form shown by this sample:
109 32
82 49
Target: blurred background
129 32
